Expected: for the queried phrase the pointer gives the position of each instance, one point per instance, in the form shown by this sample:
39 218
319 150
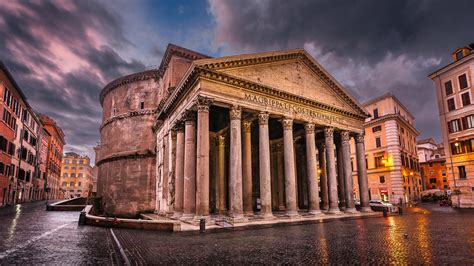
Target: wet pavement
425 234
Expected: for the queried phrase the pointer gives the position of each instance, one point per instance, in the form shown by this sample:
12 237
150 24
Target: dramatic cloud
62 53
372 47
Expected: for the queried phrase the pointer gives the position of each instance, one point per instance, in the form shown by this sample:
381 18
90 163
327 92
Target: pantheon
250 135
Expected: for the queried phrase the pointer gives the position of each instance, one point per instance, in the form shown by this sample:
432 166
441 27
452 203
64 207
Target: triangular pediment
293 72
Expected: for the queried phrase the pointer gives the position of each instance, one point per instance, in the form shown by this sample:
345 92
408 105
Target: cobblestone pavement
425 234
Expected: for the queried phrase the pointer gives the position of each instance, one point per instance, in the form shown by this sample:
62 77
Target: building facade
76 176
391 152
55 144
454 92
432 165
234 136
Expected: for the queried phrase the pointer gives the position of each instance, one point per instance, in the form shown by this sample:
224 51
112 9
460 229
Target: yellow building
456 112
76 175
391 153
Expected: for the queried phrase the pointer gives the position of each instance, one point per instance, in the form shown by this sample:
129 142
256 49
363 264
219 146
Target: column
179 171
323 176
264 160
235 171
247 168
189 201
281 178
331 170
289 158
346 159
340 176
221 206
313 207
202 158
362 173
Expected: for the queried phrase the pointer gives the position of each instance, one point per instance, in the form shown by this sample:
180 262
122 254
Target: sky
62 53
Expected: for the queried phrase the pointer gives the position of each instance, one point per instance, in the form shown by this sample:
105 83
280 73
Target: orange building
56 143
433 165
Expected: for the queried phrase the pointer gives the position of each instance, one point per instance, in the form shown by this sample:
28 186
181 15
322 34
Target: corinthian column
312 170
362 173
331 170
179 171
235 175
346 159
289 158
247 168
340 175
202 158
221 175
189 202
264 160
323 176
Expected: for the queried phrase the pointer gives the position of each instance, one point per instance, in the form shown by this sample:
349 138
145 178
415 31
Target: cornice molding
389 117
128 115
129 155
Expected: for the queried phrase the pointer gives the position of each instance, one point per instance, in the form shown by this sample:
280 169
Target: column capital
321 145
263 118
247 125
287 123
178 125
188 116
345 136
173 135
359 137
309 128
202 103
220 140
328 132
235 112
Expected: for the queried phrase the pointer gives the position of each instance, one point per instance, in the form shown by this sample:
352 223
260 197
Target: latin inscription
295 109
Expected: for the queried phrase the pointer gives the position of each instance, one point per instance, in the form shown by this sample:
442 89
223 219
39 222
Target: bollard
82 218
202 225
400 210
385 213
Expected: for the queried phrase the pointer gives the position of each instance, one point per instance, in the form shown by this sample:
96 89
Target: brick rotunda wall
126 156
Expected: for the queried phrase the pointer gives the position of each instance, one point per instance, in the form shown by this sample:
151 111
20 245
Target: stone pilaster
264 160
221 206
313 207
289 159
362 173
331 170
179 171
323 176
189 202
346 161
235 171
247 167
202 158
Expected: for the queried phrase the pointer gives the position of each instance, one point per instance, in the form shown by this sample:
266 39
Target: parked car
378 205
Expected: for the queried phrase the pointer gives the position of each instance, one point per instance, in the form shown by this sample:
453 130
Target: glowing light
319 171
456 144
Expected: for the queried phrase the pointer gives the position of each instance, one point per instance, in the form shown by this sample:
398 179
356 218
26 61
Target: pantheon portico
252 136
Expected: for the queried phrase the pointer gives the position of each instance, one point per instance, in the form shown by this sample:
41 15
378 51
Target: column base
222 212
177 215
237 219
292 214
334 211
281 208
266 216
248 213
351 210
315 212
366 209
186 217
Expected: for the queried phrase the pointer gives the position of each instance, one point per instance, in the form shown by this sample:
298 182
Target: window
468 122
451 104
73 174
79 175
443 163
443 173
74 162
66 167
432 180
382 179
65 175
81 161
79 184
376 113
462 172
73 168
377 129
459 55
466 99
454 126
378 144
379 161
448 88
462 81
142 105
71 184
64 184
